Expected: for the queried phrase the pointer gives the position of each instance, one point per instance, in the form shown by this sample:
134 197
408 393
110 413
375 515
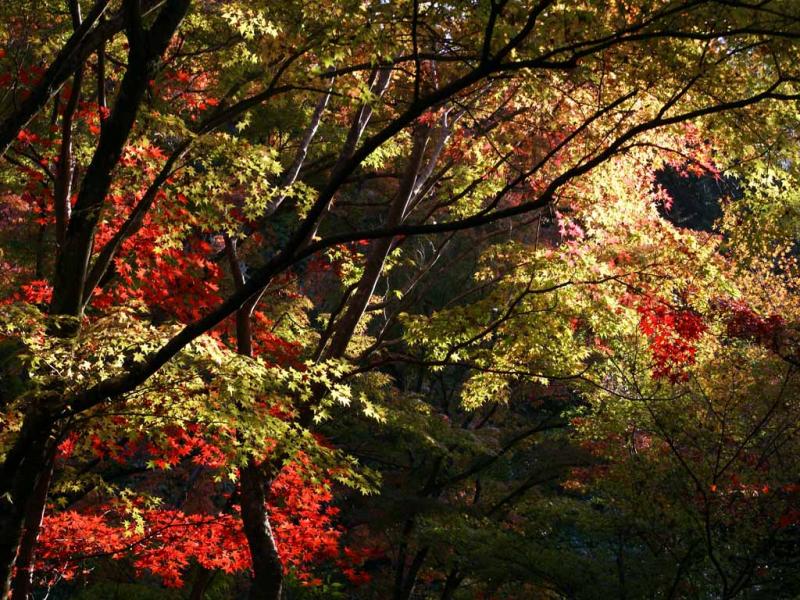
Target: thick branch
143 58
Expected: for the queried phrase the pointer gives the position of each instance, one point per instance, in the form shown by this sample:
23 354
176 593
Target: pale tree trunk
63 184
418 171
379 250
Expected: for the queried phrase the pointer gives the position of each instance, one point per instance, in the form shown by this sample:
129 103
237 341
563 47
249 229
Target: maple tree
381 299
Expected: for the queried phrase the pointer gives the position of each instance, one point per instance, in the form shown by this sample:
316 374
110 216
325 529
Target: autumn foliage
402 300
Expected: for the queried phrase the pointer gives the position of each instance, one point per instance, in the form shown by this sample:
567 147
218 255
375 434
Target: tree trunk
22 582
63 184
144 56
72 54
267 579
201 582
379 83
376 257
404 585
451 584
21 477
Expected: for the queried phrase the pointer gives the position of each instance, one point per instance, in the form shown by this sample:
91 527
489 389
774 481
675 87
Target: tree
314 145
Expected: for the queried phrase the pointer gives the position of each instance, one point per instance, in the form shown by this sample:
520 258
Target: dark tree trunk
451 584
201 583
267 579
23 472
405 582
73 53
22 583
144 56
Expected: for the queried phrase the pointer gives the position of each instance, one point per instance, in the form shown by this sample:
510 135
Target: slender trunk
405 582
399 575
621 570
378 86
419 169
63 185
101 82
380 82
39 258
378 252
64 174
267 579
291 173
